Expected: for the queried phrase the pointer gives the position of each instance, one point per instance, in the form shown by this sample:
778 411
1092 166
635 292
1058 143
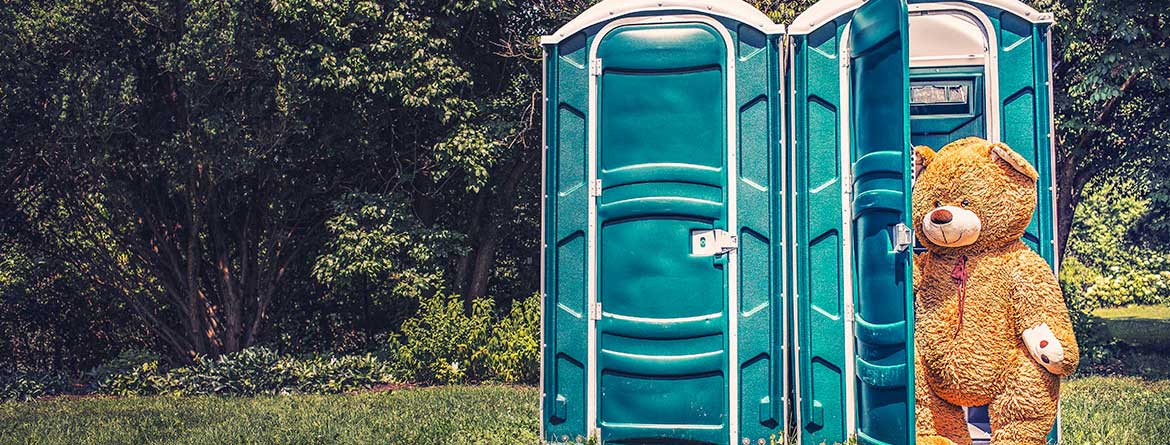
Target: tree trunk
488 240
1073 175
1066 206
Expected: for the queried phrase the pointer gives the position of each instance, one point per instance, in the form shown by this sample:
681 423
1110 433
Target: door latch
903 238
713 242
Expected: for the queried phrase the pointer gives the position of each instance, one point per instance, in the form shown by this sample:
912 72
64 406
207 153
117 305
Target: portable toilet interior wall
973 68
700 167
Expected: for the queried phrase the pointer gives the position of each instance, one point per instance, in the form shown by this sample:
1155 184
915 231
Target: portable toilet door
853 310
663 231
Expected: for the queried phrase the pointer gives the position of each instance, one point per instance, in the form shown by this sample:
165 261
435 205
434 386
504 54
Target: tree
184 155
1112 85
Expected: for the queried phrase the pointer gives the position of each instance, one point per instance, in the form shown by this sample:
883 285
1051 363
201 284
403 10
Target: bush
442 344
325 374
132 372
253 371
514 346
25 386
249 372
1111 269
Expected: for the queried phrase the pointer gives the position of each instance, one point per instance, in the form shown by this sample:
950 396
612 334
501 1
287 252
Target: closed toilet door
664 256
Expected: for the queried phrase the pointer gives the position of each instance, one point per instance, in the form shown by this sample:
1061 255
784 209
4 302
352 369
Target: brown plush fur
1010 289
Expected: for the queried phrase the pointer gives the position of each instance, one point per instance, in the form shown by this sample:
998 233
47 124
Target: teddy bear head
972 195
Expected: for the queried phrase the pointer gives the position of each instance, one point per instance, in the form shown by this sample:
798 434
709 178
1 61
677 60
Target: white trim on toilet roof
606 10
825 10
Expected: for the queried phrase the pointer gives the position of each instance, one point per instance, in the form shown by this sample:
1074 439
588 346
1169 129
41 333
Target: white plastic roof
737 10
826 10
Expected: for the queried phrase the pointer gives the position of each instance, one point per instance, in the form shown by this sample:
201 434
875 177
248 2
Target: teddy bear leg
1024 413
938 422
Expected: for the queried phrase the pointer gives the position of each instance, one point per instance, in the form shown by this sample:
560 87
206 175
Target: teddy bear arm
1040 313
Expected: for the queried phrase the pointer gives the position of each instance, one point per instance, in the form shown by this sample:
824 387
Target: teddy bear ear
1001 153
922 157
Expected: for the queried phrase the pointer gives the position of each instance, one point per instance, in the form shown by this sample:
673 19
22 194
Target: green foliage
377 236
25 386
782 11
513 351
250 372
188 154
132 372
1103 266
444 345
1111 104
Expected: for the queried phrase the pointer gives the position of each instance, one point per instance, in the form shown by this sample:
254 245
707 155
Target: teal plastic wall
760 186
817 216
565 353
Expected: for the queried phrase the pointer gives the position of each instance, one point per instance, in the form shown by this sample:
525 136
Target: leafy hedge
444 345
1104 265
441 344
25 386
249 372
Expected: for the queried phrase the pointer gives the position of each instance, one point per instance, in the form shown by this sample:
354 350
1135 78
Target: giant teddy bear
991 324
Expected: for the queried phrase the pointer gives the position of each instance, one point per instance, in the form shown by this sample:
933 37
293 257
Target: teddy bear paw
1044 347
933 440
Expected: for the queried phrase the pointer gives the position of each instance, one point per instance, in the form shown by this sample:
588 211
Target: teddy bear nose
941 216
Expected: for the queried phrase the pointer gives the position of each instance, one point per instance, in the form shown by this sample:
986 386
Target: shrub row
30 385
249 372
442 344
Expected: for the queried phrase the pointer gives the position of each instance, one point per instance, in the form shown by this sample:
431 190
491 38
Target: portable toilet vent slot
725 217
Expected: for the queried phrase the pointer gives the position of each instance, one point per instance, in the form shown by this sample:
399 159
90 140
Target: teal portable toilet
662 237
726 256
868 81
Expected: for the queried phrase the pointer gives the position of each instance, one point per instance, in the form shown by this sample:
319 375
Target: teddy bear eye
965 203
937 204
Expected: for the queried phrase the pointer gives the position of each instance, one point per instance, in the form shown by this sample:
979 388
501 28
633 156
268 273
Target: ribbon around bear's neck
959 274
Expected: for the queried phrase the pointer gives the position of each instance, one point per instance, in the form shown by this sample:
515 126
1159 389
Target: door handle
713 242
903 238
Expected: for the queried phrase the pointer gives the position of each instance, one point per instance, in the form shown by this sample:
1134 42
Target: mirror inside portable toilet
662 229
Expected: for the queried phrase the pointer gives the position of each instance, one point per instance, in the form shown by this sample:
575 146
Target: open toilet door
882 239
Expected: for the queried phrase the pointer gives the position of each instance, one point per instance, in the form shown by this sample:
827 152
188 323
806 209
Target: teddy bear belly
970 370
966 380
969 367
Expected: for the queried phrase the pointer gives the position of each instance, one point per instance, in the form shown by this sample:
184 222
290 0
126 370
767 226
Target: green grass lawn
1145 327
1113 410
445 415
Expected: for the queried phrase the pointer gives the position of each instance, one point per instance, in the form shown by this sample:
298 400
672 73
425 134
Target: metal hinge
847 186
903 237
595 188
595 311
713 242
595 67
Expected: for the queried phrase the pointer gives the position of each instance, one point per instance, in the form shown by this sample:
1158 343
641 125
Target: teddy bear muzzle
951 226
